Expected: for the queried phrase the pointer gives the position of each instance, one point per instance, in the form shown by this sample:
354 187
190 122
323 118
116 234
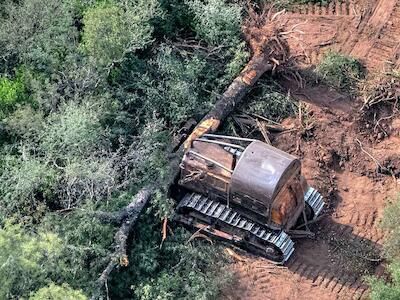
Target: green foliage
27 260
25 122
85 243
111 31
25 184
391 222
340 71
88 120
57 292
270 103
240 57
74 130
11 93
43 38
177 95
380 289
386 290
215 21
176 270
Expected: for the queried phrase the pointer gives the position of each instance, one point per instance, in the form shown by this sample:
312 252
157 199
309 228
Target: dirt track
348 239
367 30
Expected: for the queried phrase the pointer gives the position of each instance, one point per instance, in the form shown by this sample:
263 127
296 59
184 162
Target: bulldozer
245 192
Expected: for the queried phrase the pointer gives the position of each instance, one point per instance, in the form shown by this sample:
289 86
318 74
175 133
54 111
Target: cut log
268 52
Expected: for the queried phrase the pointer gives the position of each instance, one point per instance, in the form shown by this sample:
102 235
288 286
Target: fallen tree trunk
128 216
119 257
268 53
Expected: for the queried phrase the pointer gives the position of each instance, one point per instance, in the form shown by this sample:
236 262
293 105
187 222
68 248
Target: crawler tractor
245 192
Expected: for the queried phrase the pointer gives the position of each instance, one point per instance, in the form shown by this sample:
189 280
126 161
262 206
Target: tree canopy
91 95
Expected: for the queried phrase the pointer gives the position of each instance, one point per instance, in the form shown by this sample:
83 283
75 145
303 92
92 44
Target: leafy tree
45 34
12 92
104 87
25 184
57 292
26 123
215 21
27 260
111 30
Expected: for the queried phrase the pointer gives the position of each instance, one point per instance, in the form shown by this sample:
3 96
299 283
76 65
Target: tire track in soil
367 30
331 266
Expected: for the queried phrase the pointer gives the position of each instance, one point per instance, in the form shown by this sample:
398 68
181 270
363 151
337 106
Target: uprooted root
264 29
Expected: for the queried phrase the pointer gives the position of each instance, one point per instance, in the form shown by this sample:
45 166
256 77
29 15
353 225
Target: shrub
57 292
43 38
27 260
26 123
391 222
12 92
75 130
85 245
174 92
380 289
340 71
386 290
216 21
26 183
111 31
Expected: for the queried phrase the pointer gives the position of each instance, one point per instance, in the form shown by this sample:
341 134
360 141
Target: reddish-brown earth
341 153
346 248
368 30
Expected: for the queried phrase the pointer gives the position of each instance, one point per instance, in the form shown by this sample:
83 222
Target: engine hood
261 172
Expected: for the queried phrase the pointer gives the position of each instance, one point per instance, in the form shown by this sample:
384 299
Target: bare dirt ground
368 30
341 153
348 239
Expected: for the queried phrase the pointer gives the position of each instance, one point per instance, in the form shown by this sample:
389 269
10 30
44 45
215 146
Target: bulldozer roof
262 170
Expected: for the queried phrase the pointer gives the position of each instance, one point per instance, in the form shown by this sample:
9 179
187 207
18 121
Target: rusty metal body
263 182
241 182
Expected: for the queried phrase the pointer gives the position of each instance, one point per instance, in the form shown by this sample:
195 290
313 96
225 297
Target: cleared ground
336 154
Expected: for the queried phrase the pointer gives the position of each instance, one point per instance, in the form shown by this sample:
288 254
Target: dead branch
373 158
268 52
264 131
120 257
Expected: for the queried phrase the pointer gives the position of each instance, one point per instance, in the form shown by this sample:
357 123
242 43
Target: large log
269 51
128 216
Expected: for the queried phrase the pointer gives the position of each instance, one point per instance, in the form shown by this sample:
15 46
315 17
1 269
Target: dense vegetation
91 94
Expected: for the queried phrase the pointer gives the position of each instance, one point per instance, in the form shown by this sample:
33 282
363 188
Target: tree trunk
130 213
128 216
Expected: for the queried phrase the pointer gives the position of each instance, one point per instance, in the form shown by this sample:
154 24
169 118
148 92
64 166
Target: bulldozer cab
260 180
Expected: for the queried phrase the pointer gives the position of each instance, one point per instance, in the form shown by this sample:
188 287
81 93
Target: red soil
336 158
367 30
331 266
